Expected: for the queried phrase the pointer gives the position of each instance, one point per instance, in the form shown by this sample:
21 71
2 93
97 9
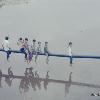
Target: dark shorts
22 50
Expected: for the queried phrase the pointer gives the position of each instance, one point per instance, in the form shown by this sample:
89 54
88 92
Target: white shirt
20 43
69 51
39 49
46 49
33 47
6 45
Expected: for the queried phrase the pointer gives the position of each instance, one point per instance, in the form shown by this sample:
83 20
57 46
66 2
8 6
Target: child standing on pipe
46 52
70 52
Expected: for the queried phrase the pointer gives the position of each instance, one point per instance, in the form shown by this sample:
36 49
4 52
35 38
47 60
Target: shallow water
55 21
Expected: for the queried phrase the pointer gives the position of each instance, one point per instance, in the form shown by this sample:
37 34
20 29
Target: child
24 47
33 47
70 52
32 50
46 52
38 50
20 42
6 46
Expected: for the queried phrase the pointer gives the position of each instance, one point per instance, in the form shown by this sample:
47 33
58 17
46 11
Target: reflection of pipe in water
58 81
67 85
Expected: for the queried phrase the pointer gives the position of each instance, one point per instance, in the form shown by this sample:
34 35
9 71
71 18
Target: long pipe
59 81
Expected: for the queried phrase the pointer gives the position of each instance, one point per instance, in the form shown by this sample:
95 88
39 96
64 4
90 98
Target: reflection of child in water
46 80
10 73
67 85
37 80
8 79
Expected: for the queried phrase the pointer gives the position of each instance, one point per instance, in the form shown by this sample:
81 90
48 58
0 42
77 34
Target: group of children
33 49
28 49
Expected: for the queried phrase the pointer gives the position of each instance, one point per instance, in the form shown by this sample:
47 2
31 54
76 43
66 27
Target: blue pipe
50 54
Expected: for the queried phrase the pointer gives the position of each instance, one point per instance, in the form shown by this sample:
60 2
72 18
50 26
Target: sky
58 22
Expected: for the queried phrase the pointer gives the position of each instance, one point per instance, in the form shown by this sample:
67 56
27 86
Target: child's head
6 38
20 39
26 39
34 40
39 43
70 43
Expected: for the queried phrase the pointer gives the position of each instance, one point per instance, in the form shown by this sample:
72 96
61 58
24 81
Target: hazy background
58 22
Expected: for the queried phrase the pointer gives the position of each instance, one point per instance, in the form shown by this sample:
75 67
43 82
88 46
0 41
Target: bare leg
36 57
47 58
71 60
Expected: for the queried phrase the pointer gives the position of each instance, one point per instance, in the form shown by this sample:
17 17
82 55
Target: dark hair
20 38
34 40
70 43
6 38
46 42
26 39
39 42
